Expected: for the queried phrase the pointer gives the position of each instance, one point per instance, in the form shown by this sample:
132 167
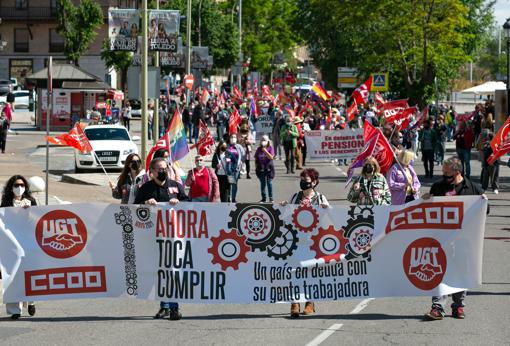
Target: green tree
77 25
118 60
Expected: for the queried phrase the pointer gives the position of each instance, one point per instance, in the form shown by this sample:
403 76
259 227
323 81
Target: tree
77 25
119 60
416 41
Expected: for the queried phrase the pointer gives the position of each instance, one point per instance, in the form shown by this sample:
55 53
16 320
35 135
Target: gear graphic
259 223
229 249
329 244
306 211
364 210
359 231
143 213
256 224
284 245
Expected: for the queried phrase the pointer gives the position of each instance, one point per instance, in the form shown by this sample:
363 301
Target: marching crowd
293 115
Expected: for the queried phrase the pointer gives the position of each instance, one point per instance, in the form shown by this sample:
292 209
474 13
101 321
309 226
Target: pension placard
341 145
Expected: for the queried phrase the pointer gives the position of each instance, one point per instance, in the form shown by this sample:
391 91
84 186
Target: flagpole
101 164
49 100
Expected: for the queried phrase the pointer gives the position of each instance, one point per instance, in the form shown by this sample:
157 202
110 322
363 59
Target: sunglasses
19 185
135 160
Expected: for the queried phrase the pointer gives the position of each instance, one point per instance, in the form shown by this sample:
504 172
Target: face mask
448 178
305 185
263 143
161 175
18 191
199 164
233 140
135 165
224 148
368 168
400 141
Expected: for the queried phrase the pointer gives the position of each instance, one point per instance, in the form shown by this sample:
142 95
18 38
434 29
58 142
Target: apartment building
28 36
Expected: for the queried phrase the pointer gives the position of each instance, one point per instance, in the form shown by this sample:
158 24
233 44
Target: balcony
28 14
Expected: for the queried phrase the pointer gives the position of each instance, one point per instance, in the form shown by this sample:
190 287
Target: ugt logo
61 234
425 263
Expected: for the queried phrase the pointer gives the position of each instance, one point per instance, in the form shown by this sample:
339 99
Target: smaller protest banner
123 29
264 124
342 145
163 30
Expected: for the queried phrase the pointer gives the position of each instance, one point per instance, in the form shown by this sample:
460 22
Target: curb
69 179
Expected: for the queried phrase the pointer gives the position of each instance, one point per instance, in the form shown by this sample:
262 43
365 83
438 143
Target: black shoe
15 316
31 310
175 314
271 200
162 313
263 200
248 176
292 171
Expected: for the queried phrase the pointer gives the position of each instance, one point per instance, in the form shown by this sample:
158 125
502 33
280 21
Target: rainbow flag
177 137
319 91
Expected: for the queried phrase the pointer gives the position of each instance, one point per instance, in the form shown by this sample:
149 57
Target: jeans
465 158
233 192
149 130
125 122
439 302
195 132
188 129
220 132
3 141
168 305
266 181
224 188
489 173
428 162
289 155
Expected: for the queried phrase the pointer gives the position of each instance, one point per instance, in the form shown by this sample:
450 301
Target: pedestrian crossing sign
380 82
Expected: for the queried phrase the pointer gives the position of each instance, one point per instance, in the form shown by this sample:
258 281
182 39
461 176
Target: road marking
324 335
328 332
341 171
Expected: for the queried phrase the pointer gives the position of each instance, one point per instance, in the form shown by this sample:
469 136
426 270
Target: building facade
28 36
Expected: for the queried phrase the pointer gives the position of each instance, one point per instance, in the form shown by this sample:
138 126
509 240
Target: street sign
188 81
380 82
347 77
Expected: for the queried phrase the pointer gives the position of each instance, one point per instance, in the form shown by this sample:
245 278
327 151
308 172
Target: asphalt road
368 322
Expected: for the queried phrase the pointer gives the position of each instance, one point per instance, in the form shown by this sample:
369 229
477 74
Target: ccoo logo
425 263
61 234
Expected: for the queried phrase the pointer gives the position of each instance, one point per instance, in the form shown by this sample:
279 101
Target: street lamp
506 27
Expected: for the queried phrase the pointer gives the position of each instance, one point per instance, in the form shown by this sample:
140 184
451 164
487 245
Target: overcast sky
502 11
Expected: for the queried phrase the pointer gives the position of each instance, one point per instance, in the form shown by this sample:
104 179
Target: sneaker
433 315
458 313
271 200
263 200
162 313
175 314
15 316
31 310
496 191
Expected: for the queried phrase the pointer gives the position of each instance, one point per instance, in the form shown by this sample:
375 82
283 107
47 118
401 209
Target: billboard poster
175 59
123 28
163 30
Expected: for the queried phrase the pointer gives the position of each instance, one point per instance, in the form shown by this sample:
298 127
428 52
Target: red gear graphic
305 208
366 233
229 238
329 233
250 217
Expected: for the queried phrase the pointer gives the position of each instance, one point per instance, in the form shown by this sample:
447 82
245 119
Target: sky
502 11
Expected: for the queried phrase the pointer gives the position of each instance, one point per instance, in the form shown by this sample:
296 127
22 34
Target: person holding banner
309 179
264 168
172 172
17 194
203 183
403 180
130 180
452 184
371 188
162 189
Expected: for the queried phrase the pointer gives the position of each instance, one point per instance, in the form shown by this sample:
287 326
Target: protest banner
342 145
163 30
264 124
241 253
123 29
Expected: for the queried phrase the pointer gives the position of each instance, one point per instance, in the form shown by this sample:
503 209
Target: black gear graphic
284 245
364 210
128 228
355 227
257 240
143 213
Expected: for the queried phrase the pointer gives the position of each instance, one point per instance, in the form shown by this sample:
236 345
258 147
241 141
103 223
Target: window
54 7
21 37
56 42
21 4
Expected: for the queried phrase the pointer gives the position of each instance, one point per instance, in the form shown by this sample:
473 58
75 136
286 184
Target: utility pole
240 39
145 63
155 118
188 44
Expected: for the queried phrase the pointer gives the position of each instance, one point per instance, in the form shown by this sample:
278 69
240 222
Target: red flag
234 121
266 91
379 99
500 144
205 96
255 87
421 117
237 93
391 108
465 116
402 118
360 95
352 111
75 138
382 152
205 140
367 151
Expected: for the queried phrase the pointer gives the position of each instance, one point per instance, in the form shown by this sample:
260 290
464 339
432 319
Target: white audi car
111 143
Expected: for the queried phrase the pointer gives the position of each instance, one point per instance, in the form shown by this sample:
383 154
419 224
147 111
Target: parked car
21 98
136 108
5 84
111 143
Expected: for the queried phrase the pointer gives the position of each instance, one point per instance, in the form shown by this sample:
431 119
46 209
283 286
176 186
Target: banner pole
101 164
49 88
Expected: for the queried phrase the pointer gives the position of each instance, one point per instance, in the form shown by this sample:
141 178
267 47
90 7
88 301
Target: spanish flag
319 90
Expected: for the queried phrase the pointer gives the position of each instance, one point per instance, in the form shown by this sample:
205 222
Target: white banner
241 253
342 145
264 124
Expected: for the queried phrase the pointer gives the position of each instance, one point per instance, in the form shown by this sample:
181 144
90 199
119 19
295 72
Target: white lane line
324 335
341 171
328 332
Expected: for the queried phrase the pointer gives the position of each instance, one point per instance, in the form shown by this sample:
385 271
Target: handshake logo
425 263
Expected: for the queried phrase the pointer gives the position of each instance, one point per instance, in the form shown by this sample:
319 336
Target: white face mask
233 140
18 191
263 143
